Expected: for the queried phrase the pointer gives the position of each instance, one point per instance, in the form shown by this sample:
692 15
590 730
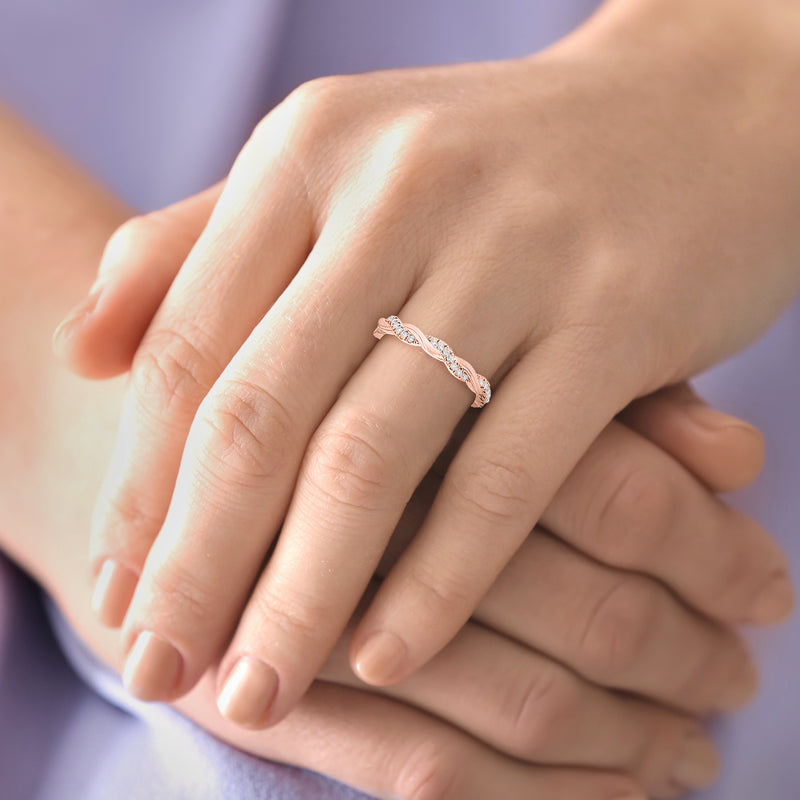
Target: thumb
100 336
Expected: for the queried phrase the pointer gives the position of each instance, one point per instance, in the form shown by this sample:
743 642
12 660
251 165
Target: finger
380 437
520 449
532 708
229 498
178 361
722 451
394 751
629 506
617 629
141 259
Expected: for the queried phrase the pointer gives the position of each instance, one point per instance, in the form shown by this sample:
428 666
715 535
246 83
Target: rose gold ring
436 348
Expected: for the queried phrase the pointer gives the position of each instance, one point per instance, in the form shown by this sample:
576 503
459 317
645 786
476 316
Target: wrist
744 42
52 233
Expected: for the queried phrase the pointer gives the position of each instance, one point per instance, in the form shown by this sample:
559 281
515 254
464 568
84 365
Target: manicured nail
741 690
775 602
76 317
113 591
709 418
380 658
248 692
153 668
698 763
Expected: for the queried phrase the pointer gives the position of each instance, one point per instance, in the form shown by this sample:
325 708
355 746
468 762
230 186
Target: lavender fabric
155 97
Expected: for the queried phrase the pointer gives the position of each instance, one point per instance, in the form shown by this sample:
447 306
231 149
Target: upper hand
535 215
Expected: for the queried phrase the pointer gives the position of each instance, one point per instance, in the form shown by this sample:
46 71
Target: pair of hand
563 645
495 206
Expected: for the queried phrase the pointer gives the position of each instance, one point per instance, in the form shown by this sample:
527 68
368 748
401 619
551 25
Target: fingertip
775 603
153 668
740 455
724 452
737 446
113 592
248 692
742 687
380 659
70 330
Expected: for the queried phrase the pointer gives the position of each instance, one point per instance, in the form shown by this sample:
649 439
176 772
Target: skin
417 739
643 227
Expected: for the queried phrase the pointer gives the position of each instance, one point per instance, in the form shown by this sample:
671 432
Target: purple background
155 97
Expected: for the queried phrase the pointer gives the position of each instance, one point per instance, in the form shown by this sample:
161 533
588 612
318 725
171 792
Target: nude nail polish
153 668
73 320
113 591
248 692
741 690
709 418
697 765
774 602
381 658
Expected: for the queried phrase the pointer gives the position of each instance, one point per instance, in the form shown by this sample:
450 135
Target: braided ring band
439 350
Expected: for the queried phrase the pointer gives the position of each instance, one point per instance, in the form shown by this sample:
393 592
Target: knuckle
536 711
128 239
429 772
298 618
130 511
320 94
177 595
145 238
422 154
495 490
346 464
170 374
308 115
126 524
637 515
619 629
441 588
246 430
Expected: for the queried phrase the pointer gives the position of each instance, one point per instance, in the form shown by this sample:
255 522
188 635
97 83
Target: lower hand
560 648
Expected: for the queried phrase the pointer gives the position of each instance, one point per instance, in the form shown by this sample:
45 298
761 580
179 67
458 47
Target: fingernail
152 668
709 418
75 318
740 691
248 692
698 763
113 591
380 658
775 601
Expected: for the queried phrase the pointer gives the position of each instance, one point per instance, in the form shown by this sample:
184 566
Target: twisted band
436 348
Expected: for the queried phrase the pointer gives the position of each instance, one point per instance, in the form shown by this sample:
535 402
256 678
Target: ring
436 348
